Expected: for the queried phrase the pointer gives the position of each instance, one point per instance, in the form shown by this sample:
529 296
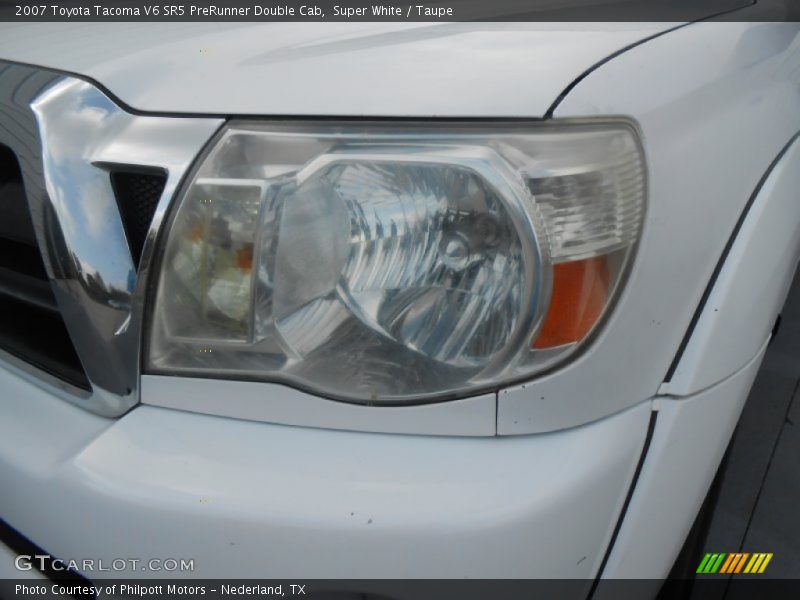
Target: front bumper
245 499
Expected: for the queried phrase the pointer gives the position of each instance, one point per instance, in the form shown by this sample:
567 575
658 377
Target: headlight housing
395 263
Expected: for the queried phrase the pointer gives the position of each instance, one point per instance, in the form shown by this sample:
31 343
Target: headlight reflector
386 265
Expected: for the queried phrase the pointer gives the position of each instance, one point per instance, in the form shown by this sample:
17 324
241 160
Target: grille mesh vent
137 193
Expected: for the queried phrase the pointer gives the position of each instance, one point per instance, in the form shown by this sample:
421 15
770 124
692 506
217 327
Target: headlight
387 264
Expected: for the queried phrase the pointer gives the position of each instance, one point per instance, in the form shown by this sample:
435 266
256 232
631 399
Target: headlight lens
393 264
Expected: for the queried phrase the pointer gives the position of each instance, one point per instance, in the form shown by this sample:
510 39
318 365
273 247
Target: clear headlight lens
387 264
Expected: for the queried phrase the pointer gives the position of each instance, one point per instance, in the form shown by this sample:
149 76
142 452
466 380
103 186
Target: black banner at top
369 10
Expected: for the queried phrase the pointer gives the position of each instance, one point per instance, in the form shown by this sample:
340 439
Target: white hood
337 69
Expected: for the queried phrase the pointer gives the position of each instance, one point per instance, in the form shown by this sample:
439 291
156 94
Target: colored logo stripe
727 564
710 563
758 563
733 562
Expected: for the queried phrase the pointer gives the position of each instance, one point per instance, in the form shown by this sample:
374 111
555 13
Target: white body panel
275 403
688 443
751 287
241 497
695 417
353 69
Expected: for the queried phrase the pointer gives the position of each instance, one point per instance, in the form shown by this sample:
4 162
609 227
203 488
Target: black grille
137 195
31 327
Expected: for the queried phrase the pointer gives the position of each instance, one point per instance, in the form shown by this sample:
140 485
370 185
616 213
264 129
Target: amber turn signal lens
580 293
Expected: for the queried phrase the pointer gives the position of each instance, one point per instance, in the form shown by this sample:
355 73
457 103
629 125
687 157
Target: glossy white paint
275 403
716 102
242 497
354 69
688 443
751 287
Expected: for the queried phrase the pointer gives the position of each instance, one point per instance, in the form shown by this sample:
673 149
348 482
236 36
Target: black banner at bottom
420 589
